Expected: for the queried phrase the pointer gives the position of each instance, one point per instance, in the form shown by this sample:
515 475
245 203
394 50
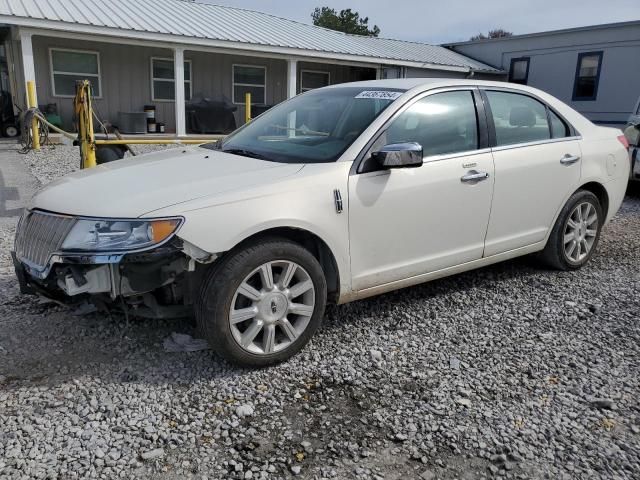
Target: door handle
569 159
474 176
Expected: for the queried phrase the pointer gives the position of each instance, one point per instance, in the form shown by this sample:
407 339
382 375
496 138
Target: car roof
417 85
428 83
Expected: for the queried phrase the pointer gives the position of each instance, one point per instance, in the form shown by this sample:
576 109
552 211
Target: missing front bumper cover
125 274
91 281
158 283
21 275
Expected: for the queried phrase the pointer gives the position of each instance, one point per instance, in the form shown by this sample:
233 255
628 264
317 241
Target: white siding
126 78
553 61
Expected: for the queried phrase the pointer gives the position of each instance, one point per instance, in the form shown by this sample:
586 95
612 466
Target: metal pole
178 69
32 103
292 78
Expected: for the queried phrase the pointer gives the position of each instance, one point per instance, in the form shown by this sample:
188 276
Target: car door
409 221
537 165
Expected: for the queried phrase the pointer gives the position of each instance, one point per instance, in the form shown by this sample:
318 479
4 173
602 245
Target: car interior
518 118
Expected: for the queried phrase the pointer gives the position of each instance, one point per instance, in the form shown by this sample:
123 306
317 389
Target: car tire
10 131
576 233
282 316
109 153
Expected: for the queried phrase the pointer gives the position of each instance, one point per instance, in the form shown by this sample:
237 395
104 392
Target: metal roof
229 24
601 26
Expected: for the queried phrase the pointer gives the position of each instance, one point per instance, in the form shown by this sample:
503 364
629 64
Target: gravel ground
55 161
510 371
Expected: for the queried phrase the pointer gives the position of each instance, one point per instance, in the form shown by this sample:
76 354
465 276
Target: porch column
178 69
28 65
292 78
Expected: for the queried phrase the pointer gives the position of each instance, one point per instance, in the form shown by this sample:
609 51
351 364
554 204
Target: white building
163 52
594 69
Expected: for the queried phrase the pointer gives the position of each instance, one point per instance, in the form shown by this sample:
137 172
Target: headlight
114 235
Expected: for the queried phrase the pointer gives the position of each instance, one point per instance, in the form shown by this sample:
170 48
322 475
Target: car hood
130 188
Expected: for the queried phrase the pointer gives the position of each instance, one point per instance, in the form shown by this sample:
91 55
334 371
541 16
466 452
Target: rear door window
518 118
559 129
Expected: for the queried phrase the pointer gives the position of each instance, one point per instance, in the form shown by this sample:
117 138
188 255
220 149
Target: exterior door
537 164
409 221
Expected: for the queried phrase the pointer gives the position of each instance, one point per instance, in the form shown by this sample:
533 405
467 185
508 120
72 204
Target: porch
129 74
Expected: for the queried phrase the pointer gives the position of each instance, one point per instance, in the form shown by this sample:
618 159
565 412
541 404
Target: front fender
305 202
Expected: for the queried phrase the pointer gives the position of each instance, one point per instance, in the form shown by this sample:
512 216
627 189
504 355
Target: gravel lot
510 371
55 161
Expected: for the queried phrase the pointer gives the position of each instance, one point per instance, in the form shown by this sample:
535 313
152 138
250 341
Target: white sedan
335 195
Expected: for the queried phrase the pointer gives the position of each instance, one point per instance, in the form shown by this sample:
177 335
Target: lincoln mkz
338 194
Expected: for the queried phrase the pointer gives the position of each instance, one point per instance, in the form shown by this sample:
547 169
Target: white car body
335 195
397 228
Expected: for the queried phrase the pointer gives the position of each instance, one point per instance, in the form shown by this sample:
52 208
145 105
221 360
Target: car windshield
316 127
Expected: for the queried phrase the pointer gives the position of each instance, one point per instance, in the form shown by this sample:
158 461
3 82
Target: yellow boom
86 137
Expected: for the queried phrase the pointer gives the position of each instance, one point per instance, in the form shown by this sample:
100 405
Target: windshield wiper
215 145
245 153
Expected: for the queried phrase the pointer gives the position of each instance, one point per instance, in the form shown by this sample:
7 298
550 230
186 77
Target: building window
587 76
519 71
310 79
391 72
163 80
69 66
249 79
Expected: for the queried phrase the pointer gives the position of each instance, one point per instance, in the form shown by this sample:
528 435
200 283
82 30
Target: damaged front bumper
84 274
154 283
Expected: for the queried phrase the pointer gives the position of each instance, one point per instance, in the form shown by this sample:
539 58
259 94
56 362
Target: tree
346 21
495 33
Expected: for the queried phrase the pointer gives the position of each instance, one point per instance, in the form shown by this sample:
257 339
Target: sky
445 21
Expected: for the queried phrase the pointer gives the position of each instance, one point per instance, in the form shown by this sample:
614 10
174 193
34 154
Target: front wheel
576 232
262 303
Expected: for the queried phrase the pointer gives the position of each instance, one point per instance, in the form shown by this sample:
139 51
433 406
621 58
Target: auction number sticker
379 94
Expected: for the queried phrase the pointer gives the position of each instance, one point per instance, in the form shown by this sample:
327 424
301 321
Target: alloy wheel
580 232
272 307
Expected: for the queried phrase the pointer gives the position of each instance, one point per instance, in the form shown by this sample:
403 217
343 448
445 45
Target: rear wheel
262 303
576 233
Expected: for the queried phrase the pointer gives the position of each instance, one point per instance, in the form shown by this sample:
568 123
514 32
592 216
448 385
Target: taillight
623 140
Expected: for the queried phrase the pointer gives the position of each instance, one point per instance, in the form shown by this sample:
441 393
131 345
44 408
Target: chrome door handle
569 159
474 176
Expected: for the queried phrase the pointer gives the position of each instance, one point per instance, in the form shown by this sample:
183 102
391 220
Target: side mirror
399 155
632 133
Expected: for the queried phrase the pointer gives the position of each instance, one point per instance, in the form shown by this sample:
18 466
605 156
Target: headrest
522 117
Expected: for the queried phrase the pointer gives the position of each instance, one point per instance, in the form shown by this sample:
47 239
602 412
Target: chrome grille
39 235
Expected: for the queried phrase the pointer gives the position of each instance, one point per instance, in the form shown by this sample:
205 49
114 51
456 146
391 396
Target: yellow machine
85 138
